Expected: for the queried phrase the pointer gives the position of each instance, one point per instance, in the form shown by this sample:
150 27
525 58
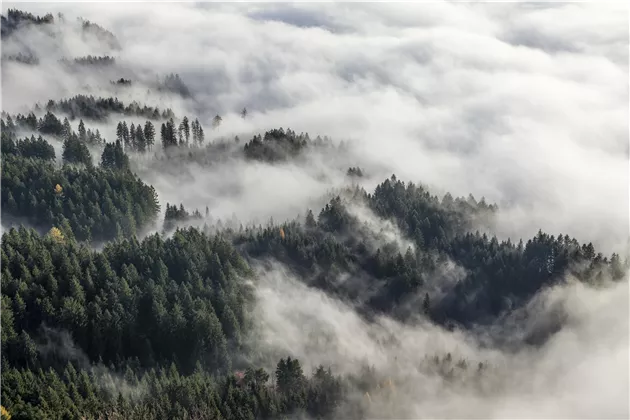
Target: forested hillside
120 303
85 201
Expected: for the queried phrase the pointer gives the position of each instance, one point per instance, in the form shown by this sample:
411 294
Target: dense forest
99 109
113 309
168 317
89 61
85 201
18 18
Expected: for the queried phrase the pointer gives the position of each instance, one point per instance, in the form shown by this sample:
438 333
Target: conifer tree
149 134
82 132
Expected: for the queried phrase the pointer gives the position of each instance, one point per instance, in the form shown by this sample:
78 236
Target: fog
489 99
580 372
523 104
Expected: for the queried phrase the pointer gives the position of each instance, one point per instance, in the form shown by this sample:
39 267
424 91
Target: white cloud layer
581 372
524 104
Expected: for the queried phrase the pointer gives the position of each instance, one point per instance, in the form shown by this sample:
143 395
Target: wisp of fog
523 104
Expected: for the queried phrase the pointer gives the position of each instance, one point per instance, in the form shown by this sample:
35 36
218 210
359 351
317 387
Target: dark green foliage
135 138
50 124
280 145
95 203
164 393
76 152
98 109
184 130
142 138
169 318
168 134
155 302
499 275
157 313
36 148
149 134
174 215
276 145
28 148
114 157
9 146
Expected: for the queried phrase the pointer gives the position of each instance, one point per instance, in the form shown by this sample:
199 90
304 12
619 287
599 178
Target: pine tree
164 136
200 135
310 219
149 134
67 128
141 141
120 132
195 132
186 127
132 137
426 304
75 151
126 137
82 132
114 157
172 136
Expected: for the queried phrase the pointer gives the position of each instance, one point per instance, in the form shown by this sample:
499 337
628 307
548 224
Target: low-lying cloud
579 372
489 99
525 104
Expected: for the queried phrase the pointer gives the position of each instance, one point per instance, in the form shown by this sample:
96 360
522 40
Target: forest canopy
120 299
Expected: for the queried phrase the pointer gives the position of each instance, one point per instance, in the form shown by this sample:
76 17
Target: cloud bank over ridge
525 104
489 99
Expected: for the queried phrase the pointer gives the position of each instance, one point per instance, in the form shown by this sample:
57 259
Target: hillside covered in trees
170 318
120 303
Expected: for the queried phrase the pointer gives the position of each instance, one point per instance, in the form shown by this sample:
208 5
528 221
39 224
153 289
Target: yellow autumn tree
4 413
56 234
58 189
282 233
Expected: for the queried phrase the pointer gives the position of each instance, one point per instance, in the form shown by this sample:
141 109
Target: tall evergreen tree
82 132
126 137
141 141
75 151
114 157
67 128
186 127
132 137
120 135
149 134
164 136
